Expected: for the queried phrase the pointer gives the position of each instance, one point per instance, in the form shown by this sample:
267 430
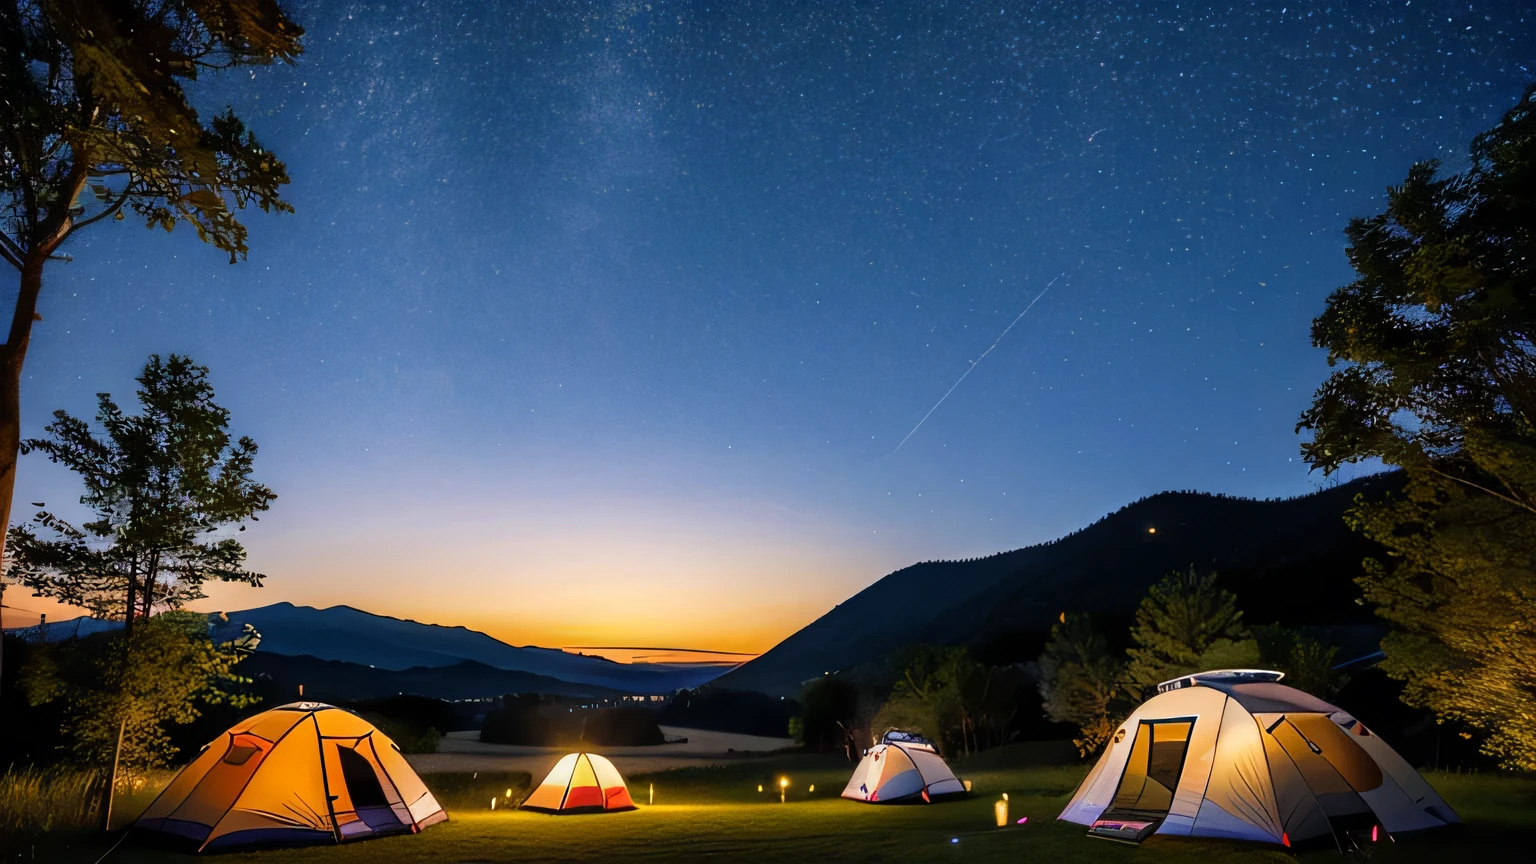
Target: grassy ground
717 814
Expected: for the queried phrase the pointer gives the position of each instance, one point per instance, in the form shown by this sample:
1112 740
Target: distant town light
1151 530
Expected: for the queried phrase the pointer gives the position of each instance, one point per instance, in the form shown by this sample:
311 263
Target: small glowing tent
581 782
1236 754
902 767
301 773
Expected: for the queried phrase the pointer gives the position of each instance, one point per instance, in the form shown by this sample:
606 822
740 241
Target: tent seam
325 780
1215 748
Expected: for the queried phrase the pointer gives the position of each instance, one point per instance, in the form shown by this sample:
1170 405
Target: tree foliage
164 485
1186 624
949 697
139 684
832 716
1434 349
1082 683
92 99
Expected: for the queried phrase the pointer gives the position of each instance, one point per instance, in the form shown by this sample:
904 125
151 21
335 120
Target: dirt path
461 752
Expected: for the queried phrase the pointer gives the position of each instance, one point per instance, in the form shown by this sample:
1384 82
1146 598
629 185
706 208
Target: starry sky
599 323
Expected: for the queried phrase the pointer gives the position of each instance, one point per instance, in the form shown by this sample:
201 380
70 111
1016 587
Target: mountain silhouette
1290 561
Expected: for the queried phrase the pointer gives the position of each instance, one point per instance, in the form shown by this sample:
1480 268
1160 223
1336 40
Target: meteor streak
974 363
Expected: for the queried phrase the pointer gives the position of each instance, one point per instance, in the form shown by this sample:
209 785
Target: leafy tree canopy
165 486
1082 683
135 684
94 97
1186 624
1434 349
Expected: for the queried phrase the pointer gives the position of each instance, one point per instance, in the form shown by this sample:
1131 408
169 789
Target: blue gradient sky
596 323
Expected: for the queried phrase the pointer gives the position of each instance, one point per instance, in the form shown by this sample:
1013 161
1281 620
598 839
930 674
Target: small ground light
1151 530
1000 812
652 794
493 803
1022 820
1373 833
812 789
509 794
783 788
954 839
759 787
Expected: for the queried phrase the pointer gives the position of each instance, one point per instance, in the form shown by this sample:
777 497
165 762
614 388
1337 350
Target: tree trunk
12 354
132 599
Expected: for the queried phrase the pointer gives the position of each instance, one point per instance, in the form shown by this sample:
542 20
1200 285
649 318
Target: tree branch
1499 495
116 206
12 253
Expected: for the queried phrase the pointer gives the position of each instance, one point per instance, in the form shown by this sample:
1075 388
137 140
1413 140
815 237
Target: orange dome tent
581 782
301 773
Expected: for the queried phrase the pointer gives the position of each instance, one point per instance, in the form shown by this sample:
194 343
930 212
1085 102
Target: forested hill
1290 561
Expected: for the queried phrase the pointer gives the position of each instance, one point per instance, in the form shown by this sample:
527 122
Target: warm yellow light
1151 530
784 781
493 803
812 789
509 793
1000 812
759 787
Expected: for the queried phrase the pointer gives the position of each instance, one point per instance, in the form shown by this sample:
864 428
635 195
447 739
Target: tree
1434 349
1306 662
1082 683
93 99
1186 624
128 689
830 716
939 693
163 484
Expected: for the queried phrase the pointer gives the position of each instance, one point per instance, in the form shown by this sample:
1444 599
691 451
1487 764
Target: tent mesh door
1153 769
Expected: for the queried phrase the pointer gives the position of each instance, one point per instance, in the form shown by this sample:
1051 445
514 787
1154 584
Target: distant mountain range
1289 561
347 635
335 681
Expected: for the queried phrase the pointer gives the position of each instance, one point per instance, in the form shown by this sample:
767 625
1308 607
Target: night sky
599 323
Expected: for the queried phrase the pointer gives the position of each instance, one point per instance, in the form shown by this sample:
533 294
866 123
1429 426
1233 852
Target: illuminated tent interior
581 783
301 773
901 767
1236 754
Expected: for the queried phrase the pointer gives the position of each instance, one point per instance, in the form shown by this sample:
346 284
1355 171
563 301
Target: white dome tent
902 767
1235 754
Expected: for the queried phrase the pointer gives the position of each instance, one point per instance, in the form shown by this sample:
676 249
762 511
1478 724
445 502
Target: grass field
717 814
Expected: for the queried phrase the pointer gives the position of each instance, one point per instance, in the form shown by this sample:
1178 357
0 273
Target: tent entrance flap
362 783
1151 775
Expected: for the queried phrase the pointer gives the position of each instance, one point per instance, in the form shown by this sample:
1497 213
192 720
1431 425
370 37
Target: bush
622 727
409 738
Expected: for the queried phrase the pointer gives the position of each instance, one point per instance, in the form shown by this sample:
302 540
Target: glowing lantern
1000 812
783 788
493 803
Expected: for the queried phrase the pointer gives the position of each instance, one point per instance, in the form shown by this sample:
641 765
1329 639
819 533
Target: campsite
709 814
465 432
